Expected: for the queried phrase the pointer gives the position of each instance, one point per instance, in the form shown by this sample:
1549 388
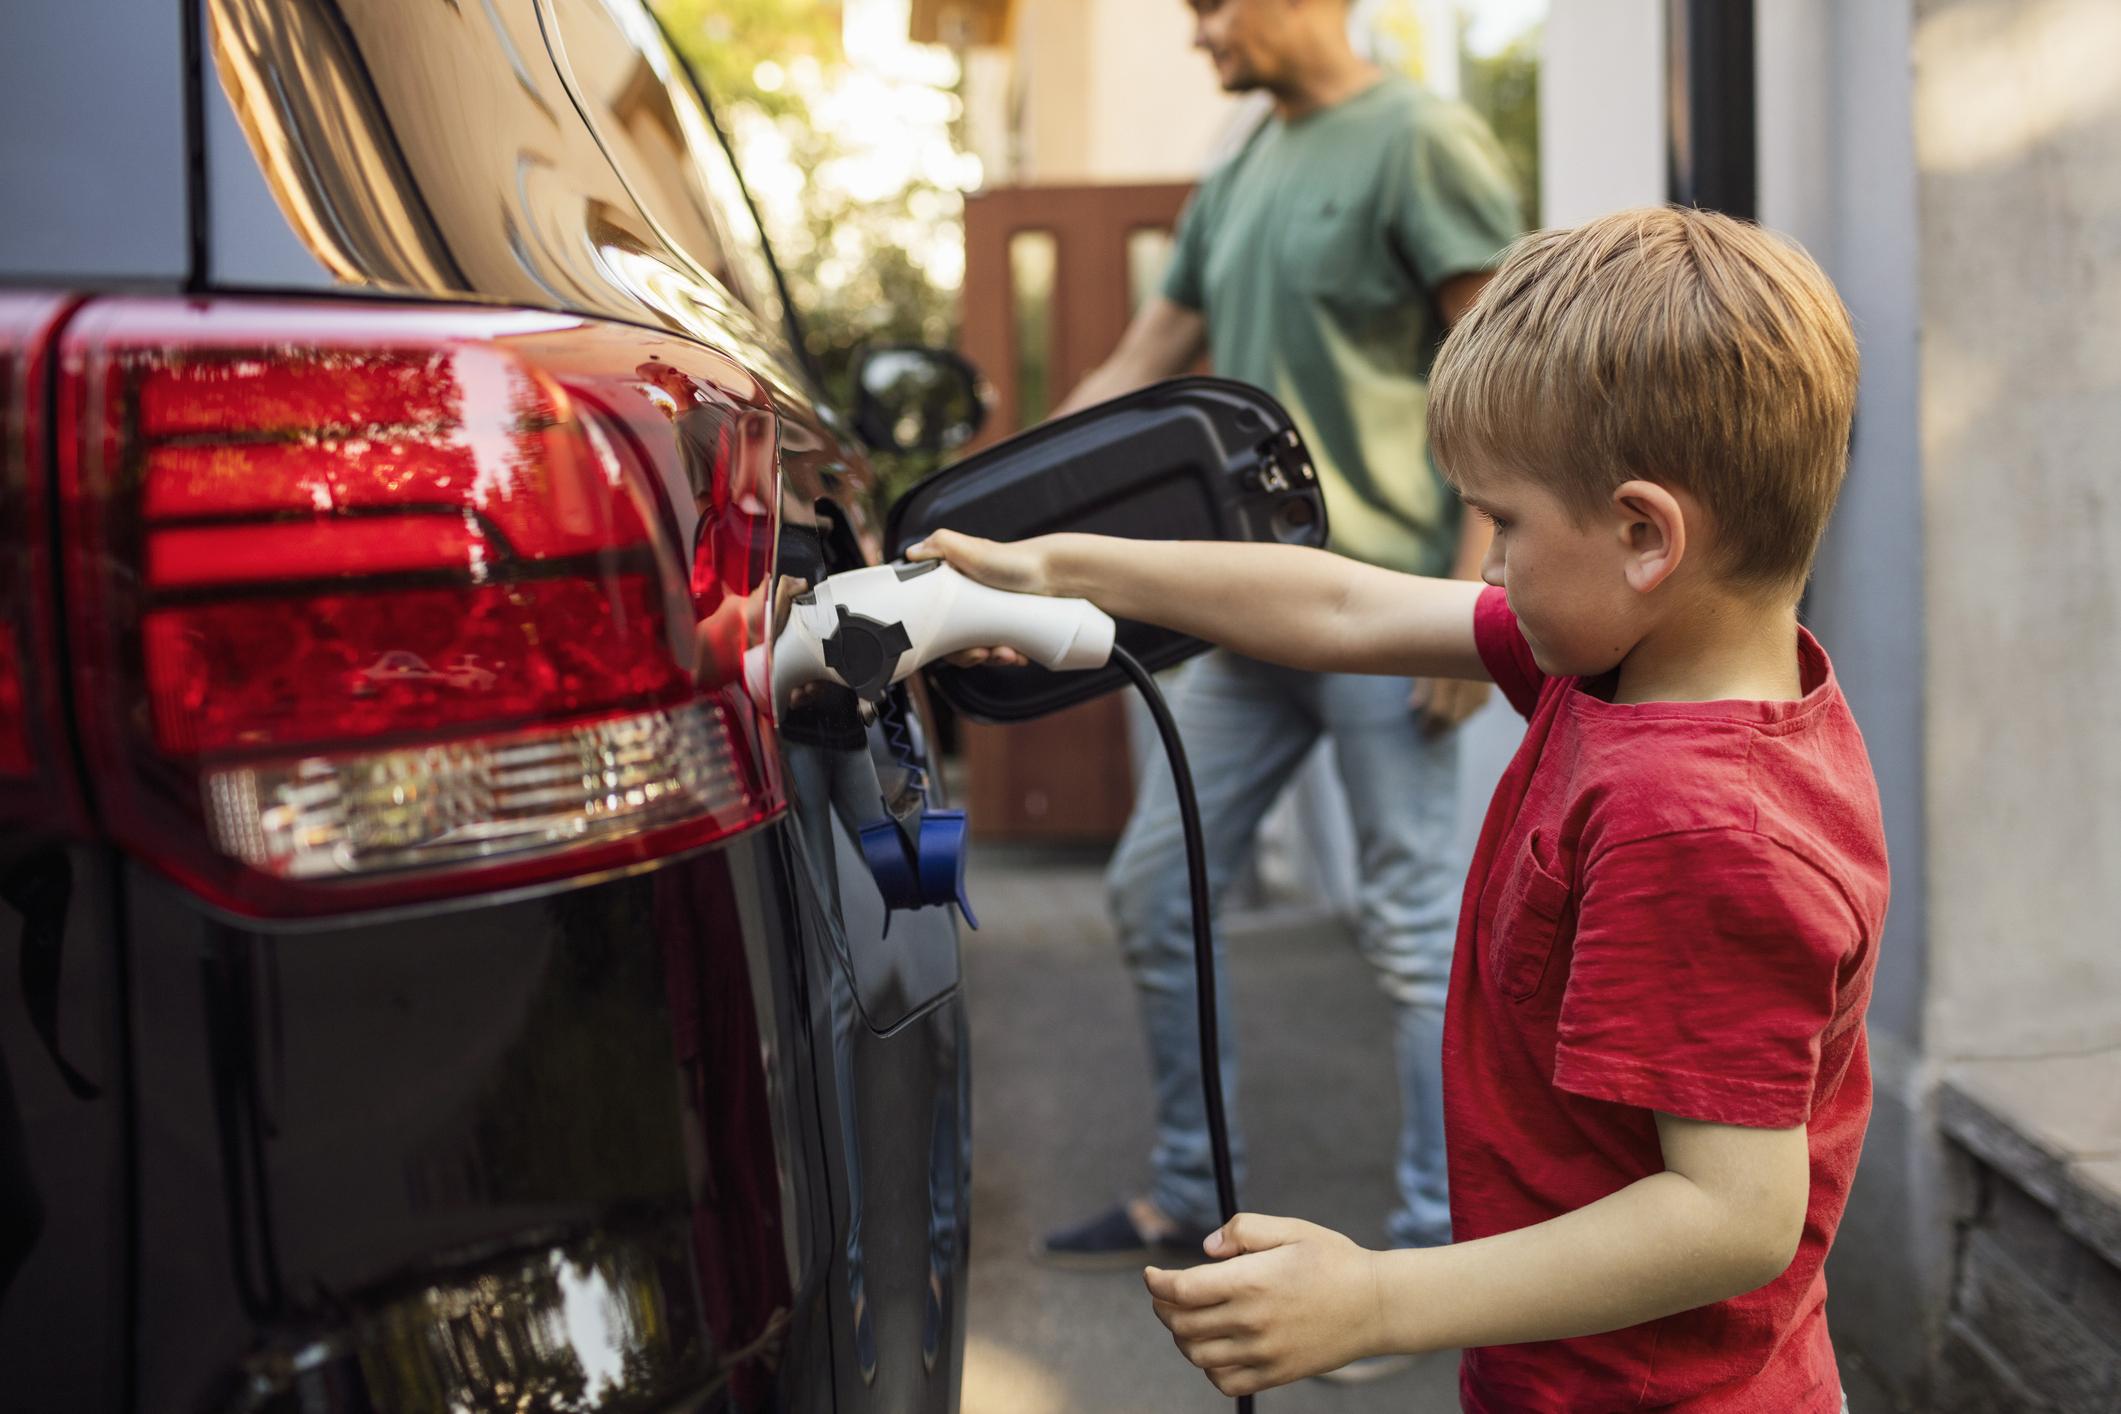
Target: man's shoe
1368 1370
1110 1241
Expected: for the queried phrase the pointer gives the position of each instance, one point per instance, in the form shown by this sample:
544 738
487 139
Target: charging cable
868 628
1211 1067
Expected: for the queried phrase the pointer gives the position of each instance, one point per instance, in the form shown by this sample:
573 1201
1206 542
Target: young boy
1656 1079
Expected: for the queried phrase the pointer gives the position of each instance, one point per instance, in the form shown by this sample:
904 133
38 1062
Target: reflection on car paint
598 1322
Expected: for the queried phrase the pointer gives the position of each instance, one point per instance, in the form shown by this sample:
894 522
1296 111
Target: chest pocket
1331 248
1528 918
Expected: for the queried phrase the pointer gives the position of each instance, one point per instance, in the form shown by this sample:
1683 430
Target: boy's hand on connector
1019 566
1290 1299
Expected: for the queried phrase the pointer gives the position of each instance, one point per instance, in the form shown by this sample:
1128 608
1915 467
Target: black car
439 983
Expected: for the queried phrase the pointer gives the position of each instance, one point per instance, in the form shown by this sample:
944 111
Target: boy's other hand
1442 703
1289 1299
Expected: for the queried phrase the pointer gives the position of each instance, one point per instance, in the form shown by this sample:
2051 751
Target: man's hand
1292 1299
1442 703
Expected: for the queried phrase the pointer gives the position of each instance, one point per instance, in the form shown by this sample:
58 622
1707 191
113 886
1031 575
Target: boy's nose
1491 565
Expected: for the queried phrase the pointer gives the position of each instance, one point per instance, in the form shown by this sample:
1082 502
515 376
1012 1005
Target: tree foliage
852 256
1503 87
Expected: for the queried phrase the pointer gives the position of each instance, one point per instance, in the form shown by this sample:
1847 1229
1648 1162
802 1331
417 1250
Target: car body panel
662 1126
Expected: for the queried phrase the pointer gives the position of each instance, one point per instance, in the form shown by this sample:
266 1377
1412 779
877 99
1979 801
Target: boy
1656 1079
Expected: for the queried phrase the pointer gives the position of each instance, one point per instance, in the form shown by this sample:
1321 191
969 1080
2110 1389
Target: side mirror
910 399
1187 459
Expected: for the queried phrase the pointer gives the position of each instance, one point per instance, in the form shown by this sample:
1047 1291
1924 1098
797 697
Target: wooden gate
1052 275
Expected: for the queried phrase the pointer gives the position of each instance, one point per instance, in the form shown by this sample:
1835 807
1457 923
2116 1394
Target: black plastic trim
1185 459
1712 155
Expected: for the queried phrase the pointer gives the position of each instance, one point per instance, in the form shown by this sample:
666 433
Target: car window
638 99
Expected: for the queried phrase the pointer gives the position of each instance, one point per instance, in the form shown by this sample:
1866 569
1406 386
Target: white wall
2018 145
1601 109
1112 91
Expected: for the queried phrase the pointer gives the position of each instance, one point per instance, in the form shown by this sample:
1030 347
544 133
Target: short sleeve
1503 651
1456 209
1186 276
1705 976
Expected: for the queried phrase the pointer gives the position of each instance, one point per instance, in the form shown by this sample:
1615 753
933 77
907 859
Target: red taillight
36 791
380 603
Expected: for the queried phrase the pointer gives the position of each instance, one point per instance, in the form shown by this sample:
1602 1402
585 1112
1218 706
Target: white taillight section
427 807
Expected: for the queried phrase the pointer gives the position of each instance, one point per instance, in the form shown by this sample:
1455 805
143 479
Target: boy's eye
1491 518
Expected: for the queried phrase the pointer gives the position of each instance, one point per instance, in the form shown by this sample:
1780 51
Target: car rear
429 995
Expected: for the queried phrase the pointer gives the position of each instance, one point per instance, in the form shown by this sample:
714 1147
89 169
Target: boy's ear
1651 524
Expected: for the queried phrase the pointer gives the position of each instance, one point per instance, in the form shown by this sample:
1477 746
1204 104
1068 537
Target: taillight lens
36 791
373 604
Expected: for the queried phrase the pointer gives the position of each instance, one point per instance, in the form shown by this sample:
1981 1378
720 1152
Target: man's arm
1164 340
1724 1218
1288 604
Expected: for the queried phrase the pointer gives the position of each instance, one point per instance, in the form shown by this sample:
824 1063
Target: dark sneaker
1111 1241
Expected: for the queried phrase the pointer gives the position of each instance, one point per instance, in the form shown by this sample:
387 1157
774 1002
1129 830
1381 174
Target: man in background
1323 262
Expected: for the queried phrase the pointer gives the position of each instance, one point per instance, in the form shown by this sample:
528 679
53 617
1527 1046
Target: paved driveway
1061 1125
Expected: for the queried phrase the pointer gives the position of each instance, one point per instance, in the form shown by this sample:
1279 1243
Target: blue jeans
1247 726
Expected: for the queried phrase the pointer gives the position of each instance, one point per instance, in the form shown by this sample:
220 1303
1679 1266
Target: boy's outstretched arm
1284 604
1294 1299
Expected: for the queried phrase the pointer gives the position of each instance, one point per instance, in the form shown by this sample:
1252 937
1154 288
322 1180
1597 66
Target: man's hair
1674 345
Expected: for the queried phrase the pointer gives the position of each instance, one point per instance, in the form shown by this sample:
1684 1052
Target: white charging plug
868 628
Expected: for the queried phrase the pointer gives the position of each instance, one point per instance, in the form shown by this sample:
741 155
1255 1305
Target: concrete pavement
1061 1125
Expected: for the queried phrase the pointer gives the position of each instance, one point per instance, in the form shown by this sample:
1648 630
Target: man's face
1247 40
1565 575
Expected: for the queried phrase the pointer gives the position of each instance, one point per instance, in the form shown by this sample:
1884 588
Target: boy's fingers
1252 1232
1199 1322
1195 1289
1220 1353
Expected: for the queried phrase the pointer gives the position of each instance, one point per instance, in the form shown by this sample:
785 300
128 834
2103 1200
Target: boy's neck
1722 649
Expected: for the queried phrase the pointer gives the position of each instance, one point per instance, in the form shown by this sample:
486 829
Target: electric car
438 983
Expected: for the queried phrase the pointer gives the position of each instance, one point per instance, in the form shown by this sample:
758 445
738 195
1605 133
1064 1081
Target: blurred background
1002 175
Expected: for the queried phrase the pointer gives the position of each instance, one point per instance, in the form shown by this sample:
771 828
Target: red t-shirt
1674 906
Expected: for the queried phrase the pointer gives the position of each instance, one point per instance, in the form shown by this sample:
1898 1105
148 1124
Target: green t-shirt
1313 253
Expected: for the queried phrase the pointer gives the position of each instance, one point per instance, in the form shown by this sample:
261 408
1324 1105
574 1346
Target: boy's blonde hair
1670 344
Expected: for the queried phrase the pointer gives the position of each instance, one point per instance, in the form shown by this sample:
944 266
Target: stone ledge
2053 1125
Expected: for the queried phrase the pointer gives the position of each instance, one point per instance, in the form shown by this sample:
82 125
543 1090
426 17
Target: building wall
1113 91
1601 107
2018 146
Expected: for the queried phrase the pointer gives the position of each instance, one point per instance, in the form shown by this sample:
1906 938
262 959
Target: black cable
1211 1069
